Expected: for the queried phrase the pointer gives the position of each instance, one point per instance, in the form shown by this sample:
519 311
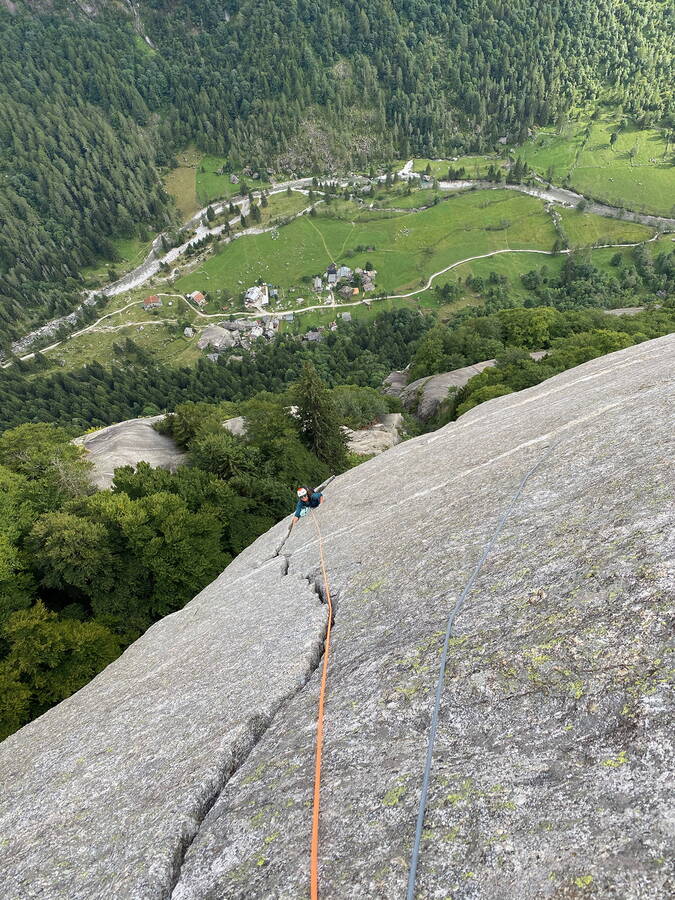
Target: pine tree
318 420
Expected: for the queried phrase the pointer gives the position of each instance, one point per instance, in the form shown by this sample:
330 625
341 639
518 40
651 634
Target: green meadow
584 229
210 186
174 349
181 182
475 166
636 172
155 337
195 182
398 198
405 248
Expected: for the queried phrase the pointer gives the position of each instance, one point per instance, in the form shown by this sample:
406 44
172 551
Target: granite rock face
236 426
126 444
394 383
424 396
381 436
216 337
185 770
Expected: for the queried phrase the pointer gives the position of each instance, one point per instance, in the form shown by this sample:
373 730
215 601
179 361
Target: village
341 280
337 283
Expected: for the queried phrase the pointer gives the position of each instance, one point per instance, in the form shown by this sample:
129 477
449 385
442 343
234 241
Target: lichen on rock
186 768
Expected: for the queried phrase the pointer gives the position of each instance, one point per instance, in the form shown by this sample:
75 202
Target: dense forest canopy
91 104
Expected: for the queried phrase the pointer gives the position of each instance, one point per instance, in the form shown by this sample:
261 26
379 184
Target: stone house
258 295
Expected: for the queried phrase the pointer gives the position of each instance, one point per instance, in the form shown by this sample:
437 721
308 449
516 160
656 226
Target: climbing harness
414 858
314 852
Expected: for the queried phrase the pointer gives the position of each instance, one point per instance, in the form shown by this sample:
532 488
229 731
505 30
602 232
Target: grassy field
210 186
476 166
405 248
638 172
584 230
550 152
283 204
181 182
195 182
174 349
132 252
156 338
398 198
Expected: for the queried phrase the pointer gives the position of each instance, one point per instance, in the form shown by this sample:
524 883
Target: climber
306 501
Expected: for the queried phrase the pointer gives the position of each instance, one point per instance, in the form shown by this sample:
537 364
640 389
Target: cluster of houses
345 281
342 280
238 333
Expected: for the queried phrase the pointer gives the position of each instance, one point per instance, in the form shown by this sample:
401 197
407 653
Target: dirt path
151 264
325 306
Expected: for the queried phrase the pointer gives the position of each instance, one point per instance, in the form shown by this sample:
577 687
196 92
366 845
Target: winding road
94 325
154 260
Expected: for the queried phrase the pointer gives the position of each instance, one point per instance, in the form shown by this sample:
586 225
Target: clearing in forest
405 248
635 169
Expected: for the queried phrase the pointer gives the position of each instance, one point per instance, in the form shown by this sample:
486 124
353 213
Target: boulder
424 396
236 425
127 444
395 382
216 337
625 311
381 436
185 769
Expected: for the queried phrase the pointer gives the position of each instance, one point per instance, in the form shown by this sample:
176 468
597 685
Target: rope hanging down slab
414 858
314 851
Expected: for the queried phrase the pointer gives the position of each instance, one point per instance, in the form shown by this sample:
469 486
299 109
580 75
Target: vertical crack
256 728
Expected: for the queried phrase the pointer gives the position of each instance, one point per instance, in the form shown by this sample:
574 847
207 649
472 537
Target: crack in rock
254 731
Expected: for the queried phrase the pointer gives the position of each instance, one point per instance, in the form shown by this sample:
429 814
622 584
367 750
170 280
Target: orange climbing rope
314 857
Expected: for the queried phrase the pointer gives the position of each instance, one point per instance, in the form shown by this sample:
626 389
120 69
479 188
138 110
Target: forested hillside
91 104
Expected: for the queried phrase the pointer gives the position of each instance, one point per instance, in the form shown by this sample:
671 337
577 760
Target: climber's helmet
302 493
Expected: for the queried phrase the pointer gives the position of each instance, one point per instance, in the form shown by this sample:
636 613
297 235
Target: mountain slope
553 742
93 97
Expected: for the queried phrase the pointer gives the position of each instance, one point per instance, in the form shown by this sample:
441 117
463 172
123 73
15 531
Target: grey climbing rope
414 858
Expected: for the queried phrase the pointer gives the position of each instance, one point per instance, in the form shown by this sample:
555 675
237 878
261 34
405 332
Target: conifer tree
318 418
